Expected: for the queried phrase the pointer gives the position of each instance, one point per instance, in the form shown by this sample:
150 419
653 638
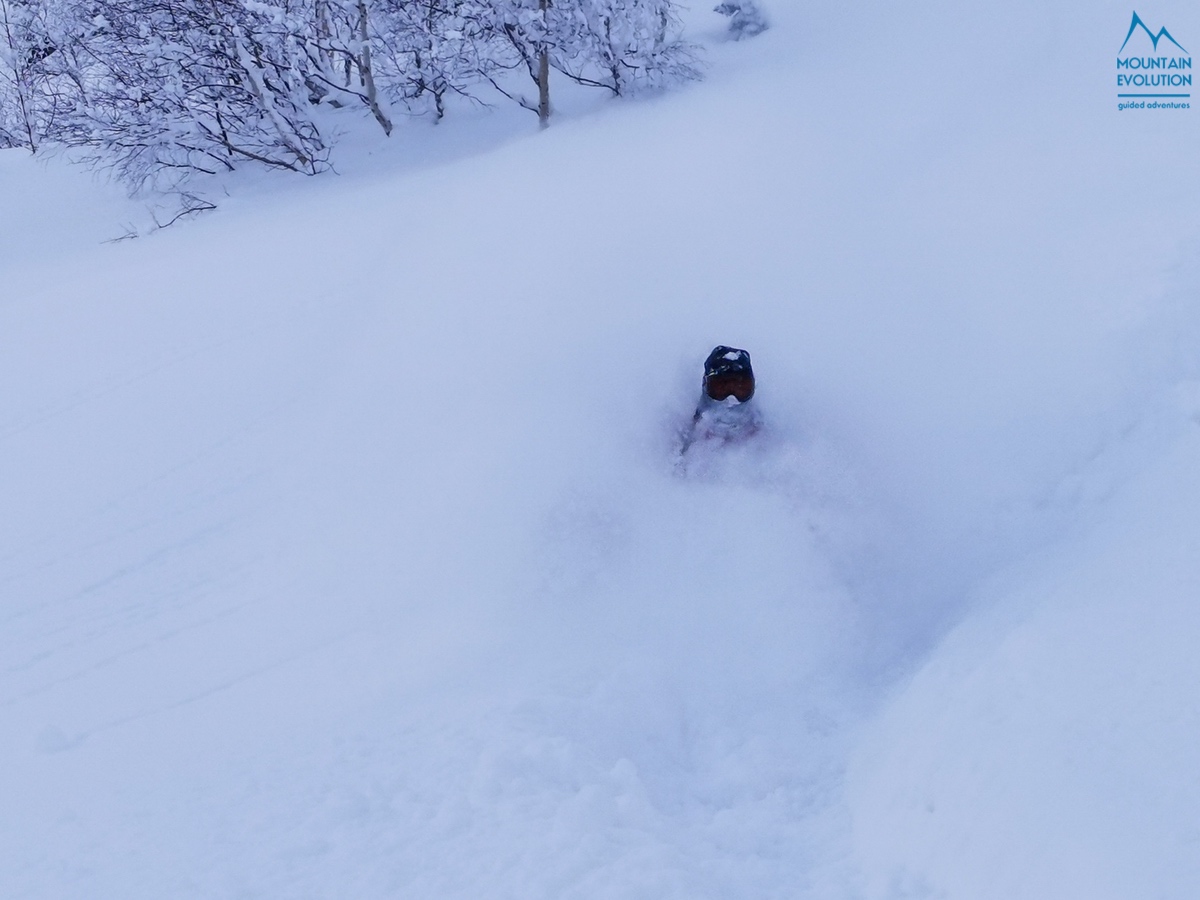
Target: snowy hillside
343 554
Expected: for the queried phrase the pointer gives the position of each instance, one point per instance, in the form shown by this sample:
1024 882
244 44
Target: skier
725 413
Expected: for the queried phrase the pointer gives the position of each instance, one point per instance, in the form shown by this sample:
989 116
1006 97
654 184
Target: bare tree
163 90
199 86
36 83
337 64
364 68
543 74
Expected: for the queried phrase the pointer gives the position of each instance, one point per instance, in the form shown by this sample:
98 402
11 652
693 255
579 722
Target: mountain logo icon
1154 38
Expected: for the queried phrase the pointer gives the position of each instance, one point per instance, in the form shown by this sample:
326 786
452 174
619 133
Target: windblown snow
344 554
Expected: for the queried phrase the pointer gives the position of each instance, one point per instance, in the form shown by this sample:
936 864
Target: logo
1150 76
1154 38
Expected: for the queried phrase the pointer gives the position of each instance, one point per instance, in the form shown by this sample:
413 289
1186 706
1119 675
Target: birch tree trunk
544 73
364 66
18 64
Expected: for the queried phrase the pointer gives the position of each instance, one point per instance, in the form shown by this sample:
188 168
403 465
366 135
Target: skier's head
727 373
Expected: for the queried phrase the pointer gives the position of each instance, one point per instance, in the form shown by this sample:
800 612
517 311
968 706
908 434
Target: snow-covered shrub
429 50
39 79
181 87
622 45
159 90
745 18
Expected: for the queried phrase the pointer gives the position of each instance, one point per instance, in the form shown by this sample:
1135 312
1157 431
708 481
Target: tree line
160 90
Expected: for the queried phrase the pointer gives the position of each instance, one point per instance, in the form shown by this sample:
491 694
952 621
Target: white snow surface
343 554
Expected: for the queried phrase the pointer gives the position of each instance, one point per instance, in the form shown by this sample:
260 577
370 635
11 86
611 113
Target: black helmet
727 373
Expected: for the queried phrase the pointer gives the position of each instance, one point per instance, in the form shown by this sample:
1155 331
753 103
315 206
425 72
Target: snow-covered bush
160 90
190 87
429 50
622 45
745 18
39 79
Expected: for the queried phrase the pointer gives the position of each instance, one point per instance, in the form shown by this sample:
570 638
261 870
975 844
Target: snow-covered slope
1045 751
343 555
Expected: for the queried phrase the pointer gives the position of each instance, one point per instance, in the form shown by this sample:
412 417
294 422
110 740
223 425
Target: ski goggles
722 385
